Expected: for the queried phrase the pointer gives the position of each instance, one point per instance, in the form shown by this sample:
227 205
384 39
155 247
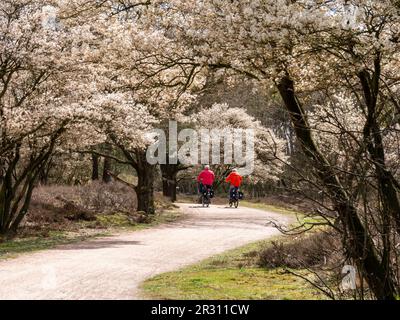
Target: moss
115 220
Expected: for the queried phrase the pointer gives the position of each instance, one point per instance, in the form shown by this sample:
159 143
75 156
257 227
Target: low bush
304 251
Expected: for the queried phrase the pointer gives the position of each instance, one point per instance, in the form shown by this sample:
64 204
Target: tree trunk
145 174
374 141
169 173
16 190
360 245
106 170
44 172
145 186
95 167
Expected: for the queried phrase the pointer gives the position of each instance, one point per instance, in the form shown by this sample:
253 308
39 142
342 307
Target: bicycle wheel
236 203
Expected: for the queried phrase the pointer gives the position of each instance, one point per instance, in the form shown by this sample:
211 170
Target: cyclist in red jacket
205 179
235 180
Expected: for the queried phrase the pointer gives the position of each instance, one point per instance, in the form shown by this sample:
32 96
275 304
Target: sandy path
113 267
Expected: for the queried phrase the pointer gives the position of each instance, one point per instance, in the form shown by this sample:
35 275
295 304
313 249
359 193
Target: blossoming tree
306 47
38 100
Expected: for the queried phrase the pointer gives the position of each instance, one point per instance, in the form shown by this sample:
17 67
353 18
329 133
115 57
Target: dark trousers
204 187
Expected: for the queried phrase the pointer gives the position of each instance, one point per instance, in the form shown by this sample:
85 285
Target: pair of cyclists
206 179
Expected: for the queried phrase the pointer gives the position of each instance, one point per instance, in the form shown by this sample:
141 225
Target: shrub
304 252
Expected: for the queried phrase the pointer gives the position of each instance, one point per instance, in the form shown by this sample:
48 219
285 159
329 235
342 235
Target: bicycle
206 197
234 199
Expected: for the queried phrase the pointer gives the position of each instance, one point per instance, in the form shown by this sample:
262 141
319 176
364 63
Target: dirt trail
113 267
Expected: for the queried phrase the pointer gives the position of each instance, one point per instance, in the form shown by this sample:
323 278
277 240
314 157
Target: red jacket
234 179
206 177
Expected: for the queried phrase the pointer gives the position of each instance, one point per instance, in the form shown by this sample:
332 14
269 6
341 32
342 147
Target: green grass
230 284
299 217
268 207
231 275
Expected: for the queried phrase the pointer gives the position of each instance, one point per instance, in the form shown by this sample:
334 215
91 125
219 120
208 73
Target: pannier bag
210 193
241 195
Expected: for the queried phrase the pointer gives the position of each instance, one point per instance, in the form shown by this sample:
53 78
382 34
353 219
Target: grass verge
232 275
268 207
299 218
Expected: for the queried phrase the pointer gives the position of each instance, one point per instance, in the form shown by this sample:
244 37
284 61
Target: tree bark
374 141
16 190
95 167
169 173
145 186
145 174
360 246
106 170
44 173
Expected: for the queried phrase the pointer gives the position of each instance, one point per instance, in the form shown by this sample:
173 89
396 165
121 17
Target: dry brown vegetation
70 208
304 251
